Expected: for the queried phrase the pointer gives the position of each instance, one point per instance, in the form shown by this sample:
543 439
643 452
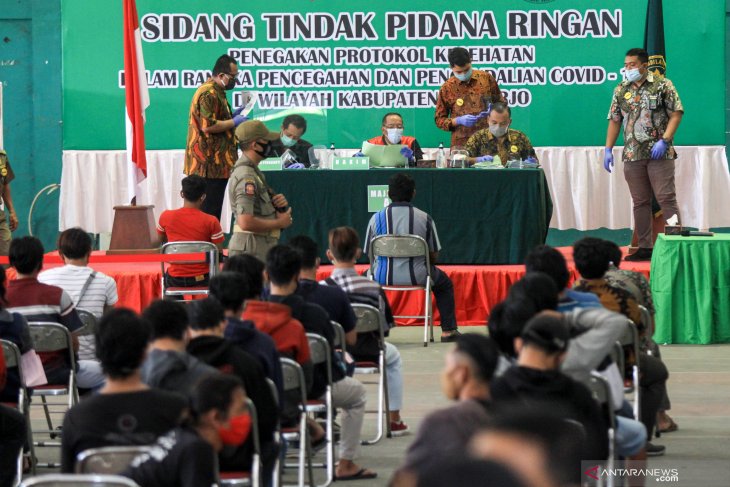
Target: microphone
691 233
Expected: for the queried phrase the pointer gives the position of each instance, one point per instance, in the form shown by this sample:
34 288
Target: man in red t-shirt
188 224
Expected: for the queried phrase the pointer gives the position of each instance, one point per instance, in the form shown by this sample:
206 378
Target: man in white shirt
89 289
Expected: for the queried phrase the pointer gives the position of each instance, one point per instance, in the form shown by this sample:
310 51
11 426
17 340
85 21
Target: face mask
394 135
231 83
266 150
287 141
237 433
633 75
498 131
463 76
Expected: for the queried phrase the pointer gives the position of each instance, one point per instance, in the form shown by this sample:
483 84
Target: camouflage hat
252 130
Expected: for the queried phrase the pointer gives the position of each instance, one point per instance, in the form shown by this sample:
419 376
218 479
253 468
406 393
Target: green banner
343 65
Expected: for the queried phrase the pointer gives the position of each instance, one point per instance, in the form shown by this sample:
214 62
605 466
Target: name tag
271 164
350 163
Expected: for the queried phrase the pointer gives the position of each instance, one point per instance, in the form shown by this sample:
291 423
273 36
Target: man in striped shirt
402 218
90 290
41 302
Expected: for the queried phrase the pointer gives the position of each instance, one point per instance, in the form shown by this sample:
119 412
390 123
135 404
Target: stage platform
476 288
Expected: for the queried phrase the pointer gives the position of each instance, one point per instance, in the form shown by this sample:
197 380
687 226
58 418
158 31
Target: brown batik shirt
471 97
210 155
515 145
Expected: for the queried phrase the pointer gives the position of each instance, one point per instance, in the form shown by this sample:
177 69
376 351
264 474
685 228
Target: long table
690 282
482 216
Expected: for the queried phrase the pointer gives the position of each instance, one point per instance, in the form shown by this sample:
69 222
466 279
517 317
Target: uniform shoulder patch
249 187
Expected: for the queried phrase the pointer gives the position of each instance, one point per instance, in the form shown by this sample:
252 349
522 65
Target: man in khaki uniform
6 226
260 213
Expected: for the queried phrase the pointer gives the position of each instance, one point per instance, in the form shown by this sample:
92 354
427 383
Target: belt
270 234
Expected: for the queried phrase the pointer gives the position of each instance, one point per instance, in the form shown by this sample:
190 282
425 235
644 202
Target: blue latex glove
467 120
239 119
407 153
659 149
607 158
296 165
358 154
238 110
531 160
484 159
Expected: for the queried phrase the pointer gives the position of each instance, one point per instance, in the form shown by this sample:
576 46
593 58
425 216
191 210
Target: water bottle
331 156
441 156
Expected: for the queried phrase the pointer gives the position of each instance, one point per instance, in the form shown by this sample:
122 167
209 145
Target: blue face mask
633 75
463 76
287 141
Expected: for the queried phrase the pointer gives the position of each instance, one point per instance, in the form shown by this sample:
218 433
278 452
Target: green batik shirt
645 113
515 145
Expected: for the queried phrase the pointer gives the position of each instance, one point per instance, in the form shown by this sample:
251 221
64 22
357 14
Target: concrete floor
699 388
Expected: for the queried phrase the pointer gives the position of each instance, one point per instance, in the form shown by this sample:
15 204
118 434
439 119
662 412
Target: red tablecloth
476 288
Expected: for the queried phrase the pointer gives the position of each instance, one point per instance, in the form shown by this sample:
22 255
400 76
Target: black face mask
266 150
231 83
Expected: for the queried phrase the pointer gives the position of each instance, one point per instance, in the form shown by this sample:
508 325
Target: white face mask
464 76
287 141
633 75
497 130
394 135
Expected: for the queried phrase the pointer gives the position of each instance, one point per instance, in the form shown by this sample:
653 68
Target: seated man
468 370
89 289
168 366
500 140
536 377
186 456
331 298
638 285
207 320
402 218
230 289
344 250
187 224
40 302
546 259
392 133
272 318
126 411
13 431
292 129
592 259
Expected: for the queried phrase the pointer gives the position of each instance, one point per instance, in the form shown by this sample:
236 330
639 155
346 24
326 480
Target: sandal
671 427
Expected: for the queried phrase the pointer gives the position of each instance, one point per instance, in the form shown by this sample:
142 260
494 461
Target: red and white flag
138 99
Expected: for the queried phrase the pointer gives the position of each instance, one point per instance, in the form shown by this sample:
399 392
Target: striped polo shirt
402 218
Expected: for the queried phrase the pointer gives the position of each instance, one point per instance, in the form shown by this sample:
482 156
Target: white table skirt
585 197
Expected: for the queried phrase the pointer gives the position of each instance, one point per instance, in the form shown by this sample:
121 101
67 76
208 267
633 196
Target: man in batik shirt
650 109
500 140
211 147
465 98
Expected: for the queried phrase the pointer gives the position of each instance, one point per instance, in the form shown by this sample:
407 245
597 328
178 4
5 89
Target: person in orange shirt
392 133
186 224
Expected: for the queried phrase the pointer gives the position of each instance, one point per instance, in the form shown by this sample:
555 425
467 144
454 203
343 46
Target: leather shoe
639 256
451 337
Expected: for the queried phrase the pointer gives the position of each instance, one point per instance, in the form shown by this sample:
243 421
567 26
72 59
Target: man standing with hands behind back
6 226
260 213
650 109
210 151
465 99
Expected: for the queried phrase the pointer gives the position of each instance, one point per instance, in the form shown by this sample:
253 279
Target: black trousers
13 433
215 190
653 384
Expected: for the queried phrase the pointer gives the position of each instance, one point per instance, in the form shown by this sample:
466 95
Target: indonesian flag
138 99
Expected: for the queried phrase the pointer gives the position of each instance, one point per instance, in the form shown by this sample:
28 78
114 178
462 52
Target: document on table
384 155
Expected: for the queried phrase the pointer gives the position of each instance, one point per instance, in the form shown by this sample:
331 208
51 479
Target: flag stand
134 231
